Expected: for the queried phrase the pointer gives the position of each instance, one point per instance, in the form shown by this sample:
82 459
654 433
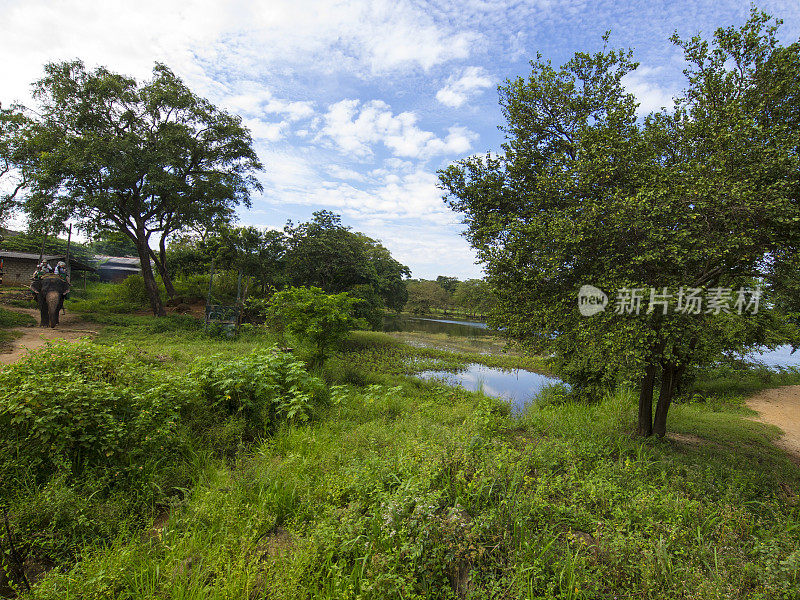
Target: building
117 268
17 268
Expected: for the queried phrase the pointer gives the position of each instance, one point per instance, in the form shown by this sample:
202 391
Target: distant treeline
449 296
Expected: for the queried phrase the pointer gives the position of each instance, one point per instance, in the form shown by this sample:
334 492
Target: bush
264 388
87 407
93 437
132 290
312 316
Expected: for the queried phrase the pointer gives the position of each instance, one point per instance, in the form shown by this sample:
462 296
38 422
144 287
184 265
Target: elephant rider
61 271
42 269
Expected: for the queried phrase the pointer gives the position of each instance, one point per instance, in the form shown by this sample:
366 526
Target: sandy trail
70 327
781 407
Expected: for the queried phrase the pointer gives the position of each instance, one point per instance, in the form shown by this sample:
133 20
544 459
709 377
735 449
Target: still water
517 386
426 325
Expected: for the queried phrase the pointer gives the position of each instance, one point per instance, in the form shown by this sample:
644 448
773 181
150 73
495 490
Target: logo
591 300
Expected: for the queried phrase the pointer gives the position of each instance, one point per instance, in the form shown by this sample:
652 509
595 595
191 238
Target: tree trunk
668 381
147 274
161 265
645 427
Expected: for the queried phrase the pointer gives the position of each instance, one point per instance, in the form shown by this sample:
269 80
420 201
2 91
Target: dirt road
70 327
781 407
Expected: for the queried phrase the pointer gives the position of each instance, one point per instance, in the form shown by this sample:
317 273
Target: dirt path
781 407
70 327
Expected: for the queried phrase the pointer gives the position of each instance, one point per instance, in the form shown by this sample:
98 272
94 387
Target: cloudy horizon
354 105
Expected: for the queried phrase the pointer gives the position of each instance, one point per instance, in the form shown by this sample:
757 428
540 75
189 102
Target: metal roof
74 262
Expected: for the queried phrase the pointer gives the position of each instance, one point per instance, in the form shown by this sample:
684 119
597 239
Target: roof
118 261
73 262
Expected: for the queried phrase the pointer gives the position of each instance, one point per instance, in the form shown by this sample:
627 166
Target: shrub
132 289
313 316
86 406
264 387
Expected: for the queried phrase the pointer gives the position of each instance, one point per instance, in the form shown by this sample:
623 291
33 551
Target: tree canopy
703 196
147 160
323 253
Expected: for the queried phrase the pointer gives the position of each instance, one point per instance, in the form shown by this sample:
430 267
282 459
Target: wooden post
69 239
41 254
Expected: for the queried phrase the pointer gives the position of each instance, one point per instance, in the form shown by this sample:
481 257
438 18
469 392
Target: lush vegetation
302 459
321 253
246 475
702 196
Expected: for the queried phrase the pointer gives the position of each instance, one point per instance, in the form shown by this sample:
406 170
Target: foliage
32 242
12 121
11 318
425 296
145 160
93 436
474 296
112 243
265 387
586 193
313 316
323 253
429 492
86 406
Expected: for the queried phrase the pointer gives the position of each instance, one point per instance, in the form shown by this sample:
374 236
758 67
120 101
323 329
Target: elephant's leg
53 306
44 315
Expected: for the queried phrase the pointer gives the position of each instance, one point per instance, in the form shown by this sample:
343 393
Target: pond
780 357
517 386
456 328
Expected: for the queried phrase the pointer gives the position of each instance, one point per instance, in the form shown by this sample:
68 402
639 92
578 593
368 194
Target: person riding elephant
50 290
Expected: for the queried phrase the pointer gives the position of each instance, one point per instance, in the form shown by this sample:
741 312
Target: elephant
50 291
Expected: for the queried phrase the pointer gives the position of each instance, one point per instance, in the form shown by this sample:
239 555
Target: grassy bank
9 320
396 488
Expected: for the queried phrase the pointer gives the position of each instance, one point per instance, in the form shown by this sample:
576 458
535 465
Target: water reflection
780 357
427 325
517 386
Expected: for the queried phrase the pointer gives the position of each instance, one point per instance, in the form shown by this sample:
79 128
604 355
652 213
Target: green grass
10 319
399 488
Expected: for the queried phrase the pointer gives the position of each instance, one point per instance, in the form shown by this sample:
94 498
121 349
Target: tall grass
398 488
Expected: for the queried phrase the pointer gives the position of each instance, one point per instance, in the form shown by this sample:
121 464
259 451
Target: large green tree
704 195
147 160
12 179
324 253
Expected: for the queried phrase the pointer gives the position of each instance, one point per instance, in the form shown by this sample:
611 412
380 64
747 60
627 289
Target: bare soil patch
70 327
781 407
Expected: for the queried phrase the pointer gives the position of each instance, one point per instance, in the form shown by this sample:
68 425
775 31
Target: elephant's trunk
53 299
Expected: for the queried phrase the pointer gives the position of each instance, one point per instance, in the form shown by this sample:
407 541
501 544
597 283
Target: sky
355 105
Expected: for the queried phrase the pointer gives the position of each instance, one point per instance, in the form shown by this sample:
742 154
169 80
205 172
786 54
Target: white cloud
355 128
252 98
458 90
211 43
258 106
650 95
340 172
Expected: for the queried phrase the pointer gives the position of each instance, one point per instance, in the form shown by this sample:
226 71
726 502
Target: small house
17 268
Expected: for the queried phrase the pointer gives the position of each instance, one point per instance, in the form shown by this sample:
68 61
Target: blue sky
354 105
